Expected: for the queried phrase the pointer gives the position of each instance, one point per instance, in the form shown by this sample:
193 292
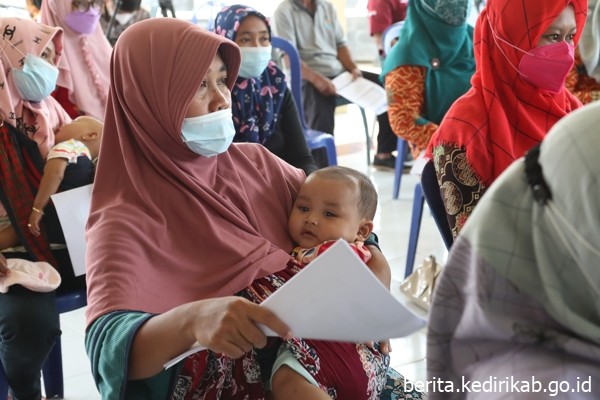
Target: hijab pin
435 63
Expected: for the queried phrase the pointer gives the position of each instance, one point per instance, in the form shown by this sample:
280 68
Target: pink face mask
545 67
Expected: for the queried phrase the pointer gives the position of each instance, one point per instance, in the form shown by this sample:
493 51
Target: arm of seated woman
225 325
460 187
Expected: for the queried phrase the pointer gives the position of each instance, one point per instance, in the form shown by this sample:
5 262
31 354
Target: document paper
361 91
336 297
73 208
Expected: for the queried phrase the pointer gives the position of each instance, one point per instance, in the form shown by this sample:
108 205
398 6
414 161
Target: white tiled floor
392 224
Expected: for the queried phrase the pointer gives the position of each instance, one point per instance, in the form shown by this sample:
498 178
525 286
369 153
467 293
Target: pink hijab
36 120
167 226
84 68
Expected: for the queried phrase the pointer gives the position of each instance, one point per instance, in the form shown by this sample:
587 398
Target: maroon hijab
167 226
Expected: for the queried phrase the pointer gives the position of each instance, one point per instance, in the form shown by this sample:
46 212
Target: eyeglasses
84 5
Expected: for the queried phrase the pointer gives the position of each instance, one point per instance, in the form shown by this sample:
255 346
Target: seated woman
128 14
428 68
221 226
511 105
263 107
84 66
584 79
517 305
29 116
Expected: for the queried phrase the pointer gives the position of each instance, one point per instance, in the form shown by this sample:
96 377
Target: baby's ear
92 135
364 231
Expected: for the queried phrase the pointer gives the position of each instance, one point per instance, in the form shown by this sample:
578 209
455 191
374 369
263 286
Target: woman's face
253 32
49 53
564 28
213 94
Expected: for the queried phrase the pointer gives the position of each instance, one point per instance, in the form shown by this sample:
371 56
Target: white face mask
123 18
254 61
209 135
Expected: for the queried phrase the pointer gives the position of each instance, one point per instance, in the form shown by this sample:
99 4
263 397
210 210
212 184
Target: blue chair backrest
295 72
389 34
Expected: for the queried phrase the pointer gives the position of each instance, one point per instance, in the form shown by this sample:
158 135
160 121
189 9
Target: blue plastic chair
314 139
389 34
427 190
53 370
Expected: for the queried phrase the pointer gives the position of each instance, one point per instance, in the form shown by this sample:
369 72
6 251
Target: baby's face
325 209
77 129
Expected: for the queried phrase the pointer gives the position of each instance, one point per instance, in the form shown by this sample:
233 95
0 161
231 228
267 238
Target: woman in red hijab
182 220
523 52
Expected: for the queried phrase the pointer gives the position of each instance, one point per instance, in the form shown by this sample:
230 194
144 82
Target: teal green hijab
435 35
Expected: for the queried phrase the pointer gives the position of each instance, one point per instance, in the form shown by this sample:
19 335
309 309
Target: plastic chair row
314 138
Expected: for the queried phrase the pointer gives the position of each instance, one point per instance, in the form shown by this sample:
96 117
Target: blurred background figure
383 13
129 12
83 77
584 79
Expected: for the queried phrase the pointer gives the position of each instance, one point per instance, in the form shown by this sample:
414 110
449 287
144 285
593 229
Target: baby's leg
8 238
287 384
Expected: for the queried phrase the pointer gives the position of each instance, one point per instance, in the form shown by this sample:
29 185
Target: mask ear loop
498 38
543 196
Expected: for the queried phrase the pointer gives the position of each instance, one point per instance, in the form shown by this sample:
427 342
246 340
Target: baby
69 163
333 203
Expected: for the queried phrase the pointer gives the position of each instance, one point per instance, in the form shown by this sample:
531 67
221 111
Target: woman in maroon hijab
180 222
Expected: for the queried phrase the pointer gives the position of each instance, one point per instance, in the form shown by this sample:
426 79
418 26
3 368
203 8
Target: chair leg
366 126
53 373
3 384
331 152
415 228
402 148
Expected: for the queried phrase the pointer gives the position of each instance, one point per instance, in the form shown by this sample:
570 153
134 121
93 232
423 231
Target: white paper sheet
73 208
361 91
336 297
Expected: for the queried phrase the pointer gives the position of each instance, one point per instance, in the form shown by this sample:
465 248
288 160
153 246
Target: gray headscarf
519 295
551 252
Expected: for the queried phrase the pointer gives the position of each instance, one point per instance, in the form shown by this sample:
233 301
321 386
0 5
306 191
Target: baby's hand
384 346
34 223
3 266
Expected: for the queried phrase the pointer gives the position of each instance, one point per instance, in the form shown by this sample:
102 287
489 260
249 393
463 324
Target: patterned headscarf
436 37
84 68
453 12
502 115
256 102
168 226
37 120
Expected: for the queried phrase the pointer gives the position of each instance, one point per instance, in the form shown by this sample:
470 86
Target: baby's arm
54 171
379 266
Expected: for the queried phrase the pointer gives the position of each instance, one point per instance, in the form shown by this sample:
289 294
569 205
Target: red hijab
167 226
502 116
